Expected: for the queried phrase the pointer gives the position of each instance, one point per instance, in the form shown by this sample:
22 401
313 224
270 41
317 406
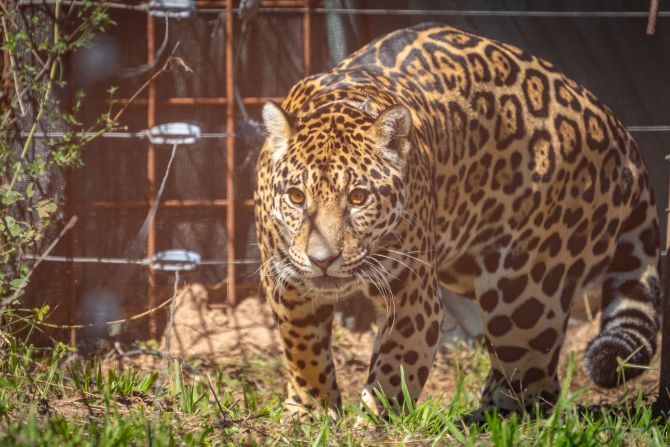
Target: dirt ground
225 337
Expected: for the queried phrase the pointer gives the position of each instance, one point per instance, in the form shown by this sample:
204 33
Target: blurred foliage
35 40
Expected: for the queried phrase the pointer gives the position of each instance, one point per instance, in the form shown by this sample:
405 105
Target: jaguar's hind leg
524 314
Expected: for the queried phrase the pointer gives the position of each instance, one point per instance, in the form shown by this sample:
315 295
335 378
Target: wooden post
653 14
230 158
151 181
307 39
73 304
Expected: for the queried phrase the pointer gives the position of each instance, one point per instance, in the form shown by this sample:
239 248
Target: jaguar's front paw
294 411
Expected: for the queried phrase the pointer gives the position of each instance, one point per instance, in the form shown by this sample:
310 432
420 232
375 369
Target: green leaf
11 197
45 208
11 223
17 283
41 312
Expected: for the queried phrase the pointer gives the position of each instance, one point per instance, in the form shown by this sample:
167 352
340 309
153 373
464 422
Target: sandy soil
224 337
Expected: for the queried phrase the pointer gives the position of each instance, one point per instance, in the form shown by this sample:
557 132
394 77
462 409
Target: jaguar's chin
331 283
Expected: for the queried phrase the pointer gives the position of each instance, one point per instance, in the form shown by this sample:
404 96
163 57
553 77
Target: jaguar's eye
296 196
358 196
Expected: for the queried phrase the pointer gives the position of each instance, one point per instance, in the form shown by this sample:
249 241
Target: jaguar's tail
630 303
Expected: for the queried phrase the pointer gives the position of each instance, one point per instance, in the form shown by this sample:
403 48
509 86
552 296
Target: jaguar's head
338 187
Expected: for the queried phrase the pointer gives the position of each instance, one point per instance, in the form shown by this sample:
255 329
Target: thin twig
43 103
71 223
137 92
4 8
33 48
216 398
150 80
168 331
12 64
36 78
70 11
152 352
107 323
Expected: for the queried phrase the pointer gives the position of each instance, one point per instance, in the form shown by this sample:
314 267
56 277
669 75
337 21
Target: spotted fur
483 170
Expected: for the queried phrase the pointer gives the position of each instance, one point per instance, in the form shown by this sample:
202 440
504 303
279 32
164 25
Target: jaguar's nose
324 263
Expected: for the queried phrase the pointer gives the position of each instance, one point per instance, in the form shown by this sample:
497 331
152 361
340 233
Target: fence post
662 404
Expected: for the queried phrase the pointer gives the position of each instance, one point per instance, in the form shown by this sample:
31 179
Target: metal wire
88 260
141 134
143 262
140 7
38 260
382 11
87 134
648 128
222 135
236 262
449 12
217 135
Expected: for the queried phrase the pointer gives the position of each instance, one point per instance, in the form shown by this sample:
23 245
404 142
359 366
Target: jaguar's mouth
326 282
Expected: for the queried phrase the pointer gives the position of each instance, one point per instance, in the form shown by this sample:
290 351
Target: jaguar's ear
279 126
391 133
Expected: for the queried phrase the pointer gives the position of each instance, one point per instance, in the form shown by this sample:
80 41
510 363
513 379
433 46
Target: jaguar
436 158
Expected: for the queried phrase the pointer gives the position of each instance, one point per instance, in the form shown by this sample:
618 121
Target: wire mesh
601 44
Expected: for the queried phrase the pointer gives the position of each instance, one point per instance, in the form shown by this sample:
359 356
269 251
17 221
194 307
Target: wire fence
146 7
450 12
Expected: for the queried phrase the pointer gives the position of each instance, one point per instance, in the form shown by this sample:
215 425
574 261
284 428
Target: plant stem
12 64
43 103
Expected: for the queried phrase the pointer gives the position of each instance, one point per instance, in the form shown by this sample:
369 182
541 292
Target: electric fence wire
113 5
119 276
113 134
223 135
450 12
128 261
123 279
144 7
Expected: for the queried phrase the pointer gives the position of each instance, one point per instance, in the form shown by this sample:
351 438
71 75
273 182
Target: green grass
46 399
